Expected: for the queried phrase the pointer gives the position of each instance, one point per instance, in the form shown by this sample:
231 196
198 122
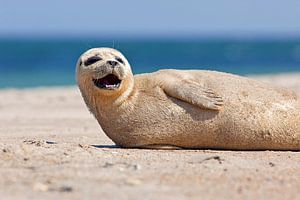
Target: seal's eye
119 60
92 60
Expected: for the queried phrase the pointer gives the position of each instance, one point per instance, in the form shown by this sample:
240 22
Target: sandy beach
52 147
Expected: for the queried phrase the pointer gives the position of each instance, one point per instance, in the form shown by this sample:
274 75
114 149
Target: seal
186 108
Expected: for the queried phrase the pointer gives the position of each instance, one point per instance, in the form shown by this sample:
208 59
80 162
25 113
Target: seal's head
105 72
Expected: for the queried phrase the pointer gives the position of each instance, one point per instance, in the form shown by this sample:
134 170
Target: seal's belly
240 124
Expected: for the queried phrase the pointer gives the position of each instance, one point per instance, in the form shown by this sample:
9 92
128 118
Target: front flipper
193 93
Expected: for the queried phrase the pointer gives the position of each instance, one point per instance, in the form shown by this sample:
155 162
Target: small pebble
137 167
40 187
65 189
133 182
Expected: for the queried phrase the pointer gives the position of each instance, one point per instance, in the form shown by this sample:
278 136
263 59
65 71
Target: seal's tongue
108 82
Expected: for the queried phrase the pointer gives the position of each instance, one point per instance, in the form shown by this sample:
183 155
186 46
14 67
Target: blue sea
51 61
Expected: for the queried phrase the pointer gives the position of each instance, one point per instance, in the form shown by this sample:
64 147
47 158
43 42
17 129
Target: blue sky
280 18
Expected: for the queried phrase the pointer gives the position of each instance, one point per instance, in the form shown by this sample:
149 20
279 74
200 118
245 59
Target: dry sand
51 147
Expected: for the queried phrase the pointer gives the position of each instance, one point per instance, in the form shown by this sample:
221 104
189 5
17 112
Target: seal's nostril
112 63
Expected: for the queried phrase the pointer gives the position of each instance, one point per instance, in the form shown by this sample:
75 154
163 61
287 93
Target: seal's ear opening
109 82
80 62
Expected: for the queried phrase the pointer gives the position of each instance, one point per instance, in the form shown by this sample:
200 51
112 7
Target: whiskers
115 45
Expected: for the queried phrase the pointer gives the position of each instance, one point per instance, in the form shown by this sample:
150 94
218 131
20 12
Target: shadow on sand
106 146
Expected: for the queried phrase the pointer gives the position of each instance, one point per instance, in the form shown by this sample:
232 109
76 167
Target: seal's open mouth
109 82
